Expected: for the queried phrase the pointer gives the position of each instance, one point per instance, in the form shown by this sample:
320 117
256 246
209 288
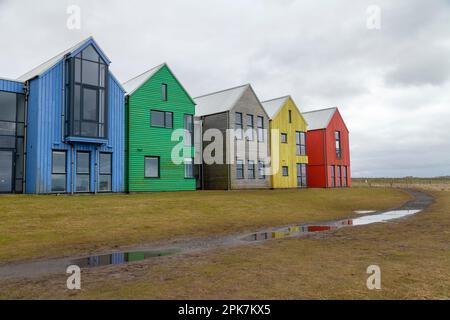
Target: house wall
315 148
250 104
45 133
287 152
215 176
144 140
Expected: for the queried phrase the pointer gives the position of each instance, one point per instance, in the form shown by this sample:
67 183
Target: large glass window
105 184
344 173
300 141
261 167
238 125
301 175
152 167
59 171
260 125
337 137
189 168
250 127
87 103
189 129
251 169
339 178
161 119
83 171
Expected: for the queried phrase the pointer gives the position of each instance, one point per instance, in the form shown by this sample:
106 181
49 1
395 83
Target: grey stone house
244 125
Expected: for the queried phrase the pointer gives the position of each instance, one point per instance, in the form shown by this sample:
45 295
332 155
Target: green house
157 109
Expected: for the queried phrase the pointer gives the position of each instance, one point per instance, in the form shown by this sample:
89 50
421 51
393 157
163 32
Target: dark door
6 171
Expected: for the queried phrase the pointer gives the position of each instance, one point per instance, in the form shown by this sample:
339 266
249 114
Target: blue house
74 128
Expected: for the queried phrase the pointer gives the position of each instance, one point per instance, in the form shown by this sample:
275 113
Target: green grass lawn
48 226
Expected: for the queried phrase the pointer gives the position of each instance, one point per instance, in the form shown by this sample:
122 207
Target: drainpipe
24 151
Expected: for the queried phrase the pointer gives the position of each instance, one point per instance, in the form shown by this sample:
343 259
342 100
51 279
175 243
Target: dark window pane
249 121
19 185
7 128
283 138
239 169
188 168
7 106
7 142
105 183
82 162
157 119
77 70
20 108
6 162
151 167
58 182
164 92
90 73
168 119
285 171
105 163
102 75
19 158
102 114
91 54
260 122
89 129
77 102
90 111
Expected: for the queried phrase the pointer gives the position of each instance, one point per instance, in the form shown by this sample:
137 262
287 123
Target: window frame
261 168
240 168
83 174
251 168
190 130
110 174
338 145
290 116
339 176
53 173
300 148
333 176
283 172
192 176
164 92
239 125
165 119
345 177
159 167
260 128
303 178
250 127
281 138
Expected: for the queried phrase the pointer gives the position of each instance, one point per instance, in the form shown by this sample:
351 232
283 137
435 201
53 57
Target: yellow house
290 132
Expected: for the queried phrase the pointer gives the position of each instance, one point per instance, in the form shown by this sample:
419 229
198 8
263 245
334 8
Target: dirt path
38 268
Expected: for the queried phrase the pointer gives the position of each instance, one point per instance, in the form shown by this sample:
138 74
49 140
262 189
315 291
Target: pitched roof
220 101
274 105
53 61
319 119
133 84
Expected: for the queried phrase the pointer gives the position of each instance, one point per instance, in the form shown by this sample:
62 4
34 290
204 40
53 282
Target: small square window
151 167
283 138
285 170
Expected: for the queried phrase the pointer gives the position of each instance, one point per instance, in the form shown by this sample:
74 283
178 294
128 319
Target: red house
328 149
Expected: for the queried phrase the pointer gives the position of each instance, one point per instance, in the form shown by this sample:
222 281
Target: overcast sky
391 84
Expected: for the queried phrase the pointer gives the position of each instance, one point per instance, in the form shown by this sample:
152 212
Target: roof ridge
141 74
220 91
56 55
320 110
283 97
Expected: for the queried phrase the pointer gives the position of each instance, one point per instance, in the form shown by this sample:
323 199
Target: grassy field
47 226
413 255
436 184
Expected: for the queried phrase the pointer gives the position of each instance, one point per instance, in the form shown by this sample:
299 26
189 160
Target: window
260 125
87 87
189 168
339 181
333 177
261 167
239 169
251 169
151 167
284 138
83 171
337 137
164 92
161 119
301 175
345 183
238 125
105 184
250 127
290 116
59 171
189 130
300 141
285 171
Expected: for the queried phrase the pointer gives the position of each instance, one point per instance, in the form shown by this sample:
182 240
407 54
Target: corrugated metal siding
45 133
11 86
144 140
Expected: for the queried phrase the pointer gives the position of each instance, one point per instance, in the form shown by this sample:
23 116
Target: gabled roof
319 119
273 106
220 101
134 83
72 51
